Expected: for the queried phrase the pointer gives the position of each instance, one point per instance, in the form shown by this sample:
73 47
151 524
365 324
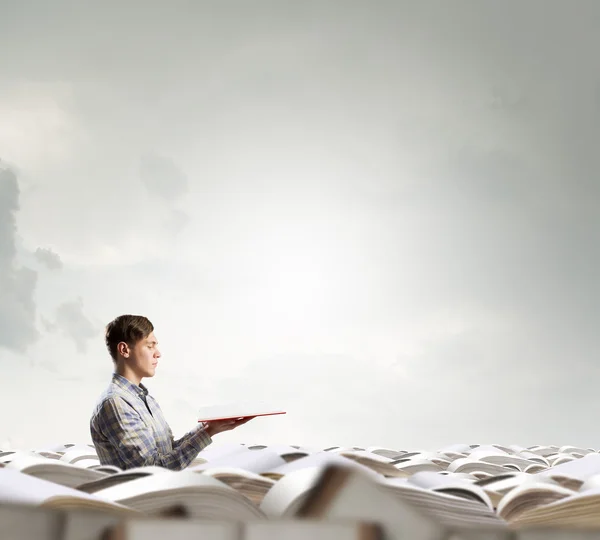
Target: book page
217 449
321 459
282 498
38 463
543 492
576 510
256 461
349 494
73 455
8 457
121 477
283 449
18 487
236 471
579 469
440 482
153 484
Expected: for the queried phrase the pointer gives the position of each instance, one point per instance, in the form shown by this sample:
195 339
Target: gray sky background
384 216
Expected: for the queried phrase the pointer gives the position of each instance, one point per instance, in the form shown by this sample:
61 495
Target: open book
230 411
346 493
196 495
575 507
53 470
19 488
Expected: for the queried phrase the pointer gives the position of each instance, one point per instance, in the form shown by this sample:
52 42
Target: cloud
177 221
164 180
18 284
9 205
74 324
162 177
50 259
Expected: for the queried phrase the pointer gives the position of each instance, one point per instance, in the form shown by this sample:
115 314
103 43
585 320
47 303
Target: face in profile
143 357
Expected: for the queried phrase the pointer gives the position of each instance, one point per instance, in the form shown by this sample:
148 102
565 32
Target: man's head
131 342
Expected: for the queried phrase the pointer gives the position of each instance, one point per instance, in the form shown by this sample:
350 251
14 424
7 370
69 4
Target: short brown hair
127 328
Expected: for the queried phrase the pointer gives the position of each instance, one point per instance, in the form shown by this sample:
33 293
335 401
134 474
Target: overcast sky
382 216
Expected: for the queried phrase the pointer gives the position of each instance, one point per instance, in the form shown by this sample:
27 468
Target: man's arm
212 428
135 443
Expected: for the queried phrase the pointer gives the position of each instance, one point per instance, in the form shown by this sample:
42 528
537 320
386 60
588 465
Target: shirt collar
126 384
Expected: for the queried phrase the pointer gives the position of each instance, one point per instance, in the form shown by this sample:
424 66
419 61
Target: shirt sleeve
198 434
121 424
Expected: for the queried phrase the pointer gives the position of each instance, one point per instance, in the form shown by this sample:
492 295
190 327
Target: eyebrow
151 342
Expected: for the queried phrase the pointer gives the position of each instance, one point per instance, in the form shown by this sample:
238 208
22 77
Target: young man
128 427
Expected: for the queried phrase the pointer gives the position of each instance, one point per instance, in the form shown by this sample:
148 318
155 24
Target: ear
123 349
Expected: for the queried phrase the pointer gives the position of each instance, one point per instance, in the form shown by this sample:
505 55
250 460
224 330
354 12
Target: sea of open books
242 491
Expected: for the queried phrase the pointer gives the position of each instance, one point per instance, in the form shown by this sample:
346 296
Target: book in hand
232 411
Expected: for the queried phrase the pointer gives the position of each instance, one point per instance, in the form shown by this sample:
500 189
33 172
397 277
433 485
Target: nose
157 354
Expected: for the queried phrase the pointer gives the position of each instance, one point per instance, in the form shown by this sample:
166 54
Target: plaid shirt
129 430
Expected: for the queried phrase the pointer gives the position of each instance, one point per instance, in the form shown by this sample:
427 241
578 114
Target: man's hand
218 426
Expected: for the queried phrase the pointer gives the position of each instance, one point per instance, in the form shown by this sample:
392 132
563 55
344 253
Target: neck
126 372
